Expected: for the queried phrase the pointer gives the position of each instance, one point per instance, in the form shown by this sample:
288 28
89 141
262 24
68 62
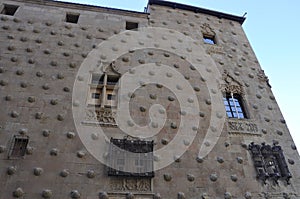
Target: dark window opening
97 79
131 25
131 158
112 80
72 17
9 9
234 106
18 147
96 95
111 97
209 39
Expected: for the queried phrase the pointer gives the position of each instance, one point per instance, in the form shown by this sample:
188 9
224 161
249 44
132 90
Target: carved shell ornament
207 30
231 85
111 67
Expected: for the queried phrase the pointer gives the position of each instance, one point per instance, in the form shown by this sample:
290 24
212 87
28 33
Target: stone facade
62 92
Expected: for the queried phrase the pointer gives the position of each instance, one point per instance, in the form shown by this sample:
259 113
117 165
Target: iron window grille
131 158
18 147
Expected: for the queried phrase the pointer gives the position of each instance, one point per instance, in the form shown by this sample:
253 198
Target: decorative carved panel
231 85
262 77
207 30
269 162
124 196
213 49
102 117
242 127
277 195
131 184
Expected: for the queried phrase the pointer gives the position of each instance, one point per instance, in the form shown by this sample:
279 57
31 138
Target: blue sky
274 33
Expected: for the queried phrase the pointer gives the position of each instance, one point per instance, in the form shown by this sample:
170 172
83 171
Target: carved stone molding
110 68
242 127
102 117
270 164
277 195
262 77
213 49
207 30
231 85
116 195
131 184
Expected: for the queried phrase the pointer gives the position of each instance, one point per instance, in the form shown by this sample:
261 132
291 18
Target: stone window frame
101 85
18 146
209 36
209 39
9 9
239 107
269 162
233 87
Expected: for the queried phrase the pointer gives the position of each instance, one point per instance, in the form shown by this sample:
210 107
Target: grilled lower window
18 147
269 162
130 158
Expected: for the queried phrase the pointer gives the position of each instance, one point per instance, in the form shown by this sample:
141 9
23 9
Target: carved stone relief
277 195
270 163
262 77
131 184
126 196
231 85
207 30
110 68
213 49
242 127
102 117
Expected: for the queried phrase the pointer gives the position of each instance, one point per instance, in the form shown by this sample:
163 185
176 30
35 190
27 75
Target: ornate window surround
269 162
234 89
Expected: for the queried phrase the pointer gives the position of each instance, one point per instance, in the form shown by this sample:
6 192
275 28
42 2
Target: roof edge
79 6
197 10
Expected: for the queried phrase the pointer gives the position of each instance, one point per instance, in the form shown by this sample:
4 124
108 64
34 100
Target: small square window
96 95
131 25
111 97
18 147
9 9
72 17
209 39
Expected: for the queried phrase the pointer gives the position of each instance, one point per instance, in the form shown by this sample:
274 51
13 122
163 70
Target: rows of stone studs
54 63
242 59
68 26
39 41
47 193
251 76
37 171
188 17
75 193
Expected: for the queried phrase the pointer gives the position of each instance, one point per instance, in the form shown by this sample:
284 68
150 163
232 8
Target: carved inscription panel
242 127
212 49
122 196
131 184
